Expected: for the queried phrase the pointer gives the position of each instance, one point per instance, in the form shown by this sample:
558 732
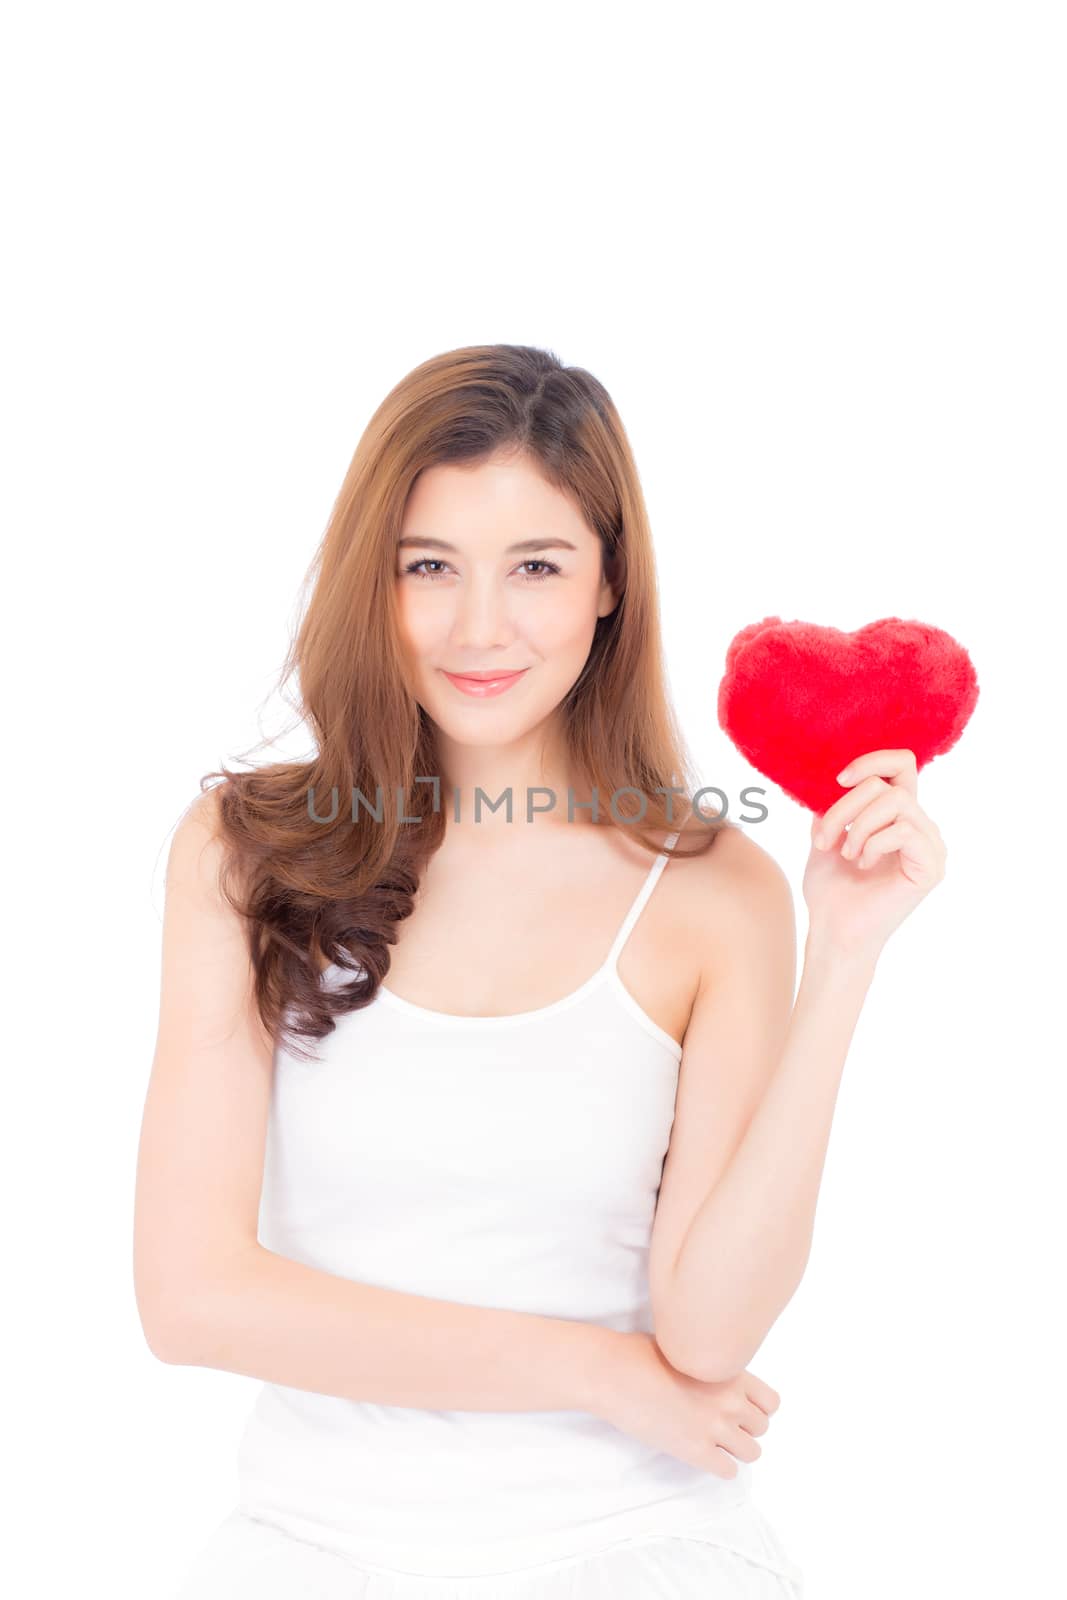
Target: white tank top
510 1161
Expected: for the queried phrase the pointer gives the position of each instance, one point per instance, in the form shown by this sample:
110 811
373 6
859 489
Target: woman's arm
747 1247
273 1318
209 1294
721 1280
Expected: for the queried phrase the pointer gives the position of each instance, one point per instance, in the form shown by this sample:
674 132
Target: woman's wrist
602 1370
829 962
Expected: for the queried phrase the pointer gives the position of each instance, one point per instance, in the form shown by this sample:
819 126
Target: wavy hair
313 892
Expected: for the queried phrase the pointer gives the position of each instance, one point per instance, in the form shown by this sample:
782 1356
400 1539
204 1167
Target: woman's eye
538 577
414 566
550 568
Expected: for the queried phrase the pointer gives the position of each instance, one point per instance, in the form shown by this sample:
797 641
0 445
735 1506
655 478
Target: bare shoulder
732 896
736 871
200 861
196 848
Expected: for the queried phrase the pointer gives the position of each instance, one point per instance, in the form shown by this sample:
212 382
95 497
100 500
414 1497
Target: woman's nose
482 614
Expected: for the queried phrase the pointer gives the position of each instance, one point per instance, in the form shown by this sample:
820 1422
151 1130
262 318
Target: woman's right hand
705 1424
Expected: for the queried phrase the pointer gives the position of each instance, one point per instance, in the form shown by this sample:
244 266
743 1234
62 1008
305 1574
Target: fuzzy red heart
801 701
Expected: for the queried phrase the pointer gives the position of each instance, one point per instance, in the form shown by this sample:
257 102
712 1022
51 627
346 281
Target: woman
499 1236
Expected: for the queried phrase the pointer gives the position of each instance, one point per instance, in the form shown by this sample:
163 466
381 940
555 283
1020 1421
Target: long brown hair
313 892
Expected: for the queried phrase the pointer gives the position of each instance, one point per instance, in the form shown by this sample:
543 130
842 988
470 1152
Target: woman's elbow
705 1364
169 1331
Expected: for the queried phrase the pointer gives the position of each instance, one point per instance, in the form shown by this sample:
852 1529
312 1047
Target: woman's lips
480 688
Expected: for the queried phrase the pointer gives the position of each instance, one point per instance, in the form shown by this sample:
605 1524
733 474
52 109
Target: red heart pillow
800 701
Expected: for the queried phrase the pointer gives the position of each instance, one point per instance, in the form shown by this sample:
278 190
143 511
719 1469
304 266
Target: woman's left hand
889 859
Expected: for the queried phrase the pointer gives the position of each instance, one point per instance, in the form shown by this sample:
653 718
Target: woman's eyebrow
512 549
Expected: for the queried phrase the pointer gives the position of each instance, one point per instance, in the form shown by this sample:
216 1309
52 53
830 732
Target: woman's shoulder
734 848
200 839
199 827
734 885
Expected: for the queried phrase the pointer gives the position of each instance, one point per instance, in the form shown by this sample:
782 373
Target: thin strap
639 904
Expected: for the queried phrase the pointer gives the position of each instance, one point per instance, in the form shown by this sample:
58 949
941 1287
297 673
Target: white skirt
734 1554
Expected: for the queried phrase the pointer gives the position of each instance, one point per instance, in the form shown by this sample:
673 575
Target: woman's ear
610 584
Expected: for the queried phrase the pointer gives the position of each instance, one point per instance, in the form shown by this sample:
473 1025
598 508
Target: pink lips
482 687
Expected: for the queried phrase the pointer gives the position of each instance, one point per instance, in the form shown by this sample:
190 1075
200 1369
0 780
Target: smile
480 688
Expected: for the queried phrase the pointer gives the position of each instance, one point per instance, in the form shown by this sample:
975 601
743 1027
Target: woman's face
497 571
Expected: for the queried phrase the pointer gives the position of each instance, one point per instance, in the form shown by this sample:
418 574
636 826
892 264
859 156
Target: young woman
499 1235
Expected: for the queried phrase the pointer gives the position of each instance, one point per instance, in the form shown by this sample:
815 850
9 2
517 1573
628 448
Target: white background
817 255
